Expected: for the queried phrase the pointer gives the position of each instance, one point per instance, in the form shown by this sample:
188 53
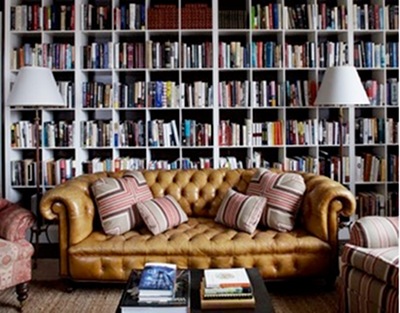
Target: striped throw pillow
240 211
284 192
160 214
116 200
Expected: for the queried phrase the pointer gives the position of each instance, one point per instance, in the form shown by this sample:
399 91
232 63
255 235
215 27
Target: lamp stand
37 230
343 221
341 154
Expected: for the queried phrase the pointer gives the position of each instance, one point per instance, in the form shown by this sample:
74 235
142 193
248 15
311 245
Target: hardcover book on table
157 280
178 303
226 277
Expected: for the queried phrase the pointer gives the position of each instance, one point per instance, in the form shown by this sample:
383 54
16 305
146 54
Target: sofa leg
22 292
69 285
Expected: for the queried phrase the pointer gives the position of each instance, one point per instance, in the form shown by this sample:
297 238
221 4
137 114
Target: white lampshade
35 87
341 85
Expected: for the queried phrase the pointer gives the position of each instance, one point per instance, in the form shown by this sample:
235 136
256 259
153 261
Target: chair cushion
375 232
116 200
284 193
382 263
161 214
15 262
240 211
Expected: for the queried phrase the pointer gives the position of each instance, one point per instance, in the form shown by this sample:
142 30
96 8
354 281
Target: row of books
129 55
299 93
230 93
99 133
196 16
374 203
231 55
370 168
373 130
375 16
58 134
232 19
95 17
33 17
314 16
67 91
369 54
26 17
130 16
128 163
163 16
197 55
114 165
23 172
58 56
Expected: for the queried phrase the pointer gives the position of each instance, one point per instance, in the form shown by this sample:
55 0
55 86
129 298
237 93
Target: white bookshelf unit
185 83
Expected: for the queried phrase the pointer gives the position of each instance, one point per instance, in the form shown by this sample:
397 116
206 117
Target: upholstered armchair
15 251
370 271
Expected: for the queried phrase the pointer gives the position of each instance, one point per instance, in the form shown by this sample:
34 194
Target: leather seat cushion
197 237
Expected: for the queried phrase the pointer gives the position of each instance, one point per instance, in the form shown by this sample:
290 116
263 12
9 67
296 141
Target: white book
226 277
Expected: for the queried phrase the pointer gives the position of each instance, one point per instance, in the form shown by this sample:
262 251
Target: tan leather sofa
88 254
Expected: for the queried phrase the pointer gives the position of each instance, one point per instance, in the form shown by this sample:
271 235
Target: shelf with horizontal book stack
244 75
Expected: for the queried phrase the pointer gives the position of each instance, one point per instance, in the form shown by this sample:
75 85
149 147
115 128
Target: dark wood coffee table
263 300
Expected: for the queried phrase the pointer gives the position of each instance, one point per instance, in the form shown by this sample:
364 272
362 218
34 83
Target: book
179 303
157 280
227 277
226 293
227 303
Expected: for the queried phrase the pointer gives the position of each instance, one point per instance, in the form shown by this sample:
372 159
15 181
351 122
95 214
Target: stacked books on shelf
226 289
160 287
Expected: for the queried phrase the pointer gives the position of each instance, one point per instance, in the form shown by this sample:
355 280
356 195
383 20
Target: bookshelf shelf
244 70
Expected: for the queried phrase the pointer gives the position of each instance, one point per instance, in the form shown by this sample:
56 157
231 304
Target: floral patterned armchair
15 251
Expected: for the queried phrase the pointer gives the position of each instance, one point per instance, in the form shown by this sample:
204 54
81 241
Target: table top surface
263 300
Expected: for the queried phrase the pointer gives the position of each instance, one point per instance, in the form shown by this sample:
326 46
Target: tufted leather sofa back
199 192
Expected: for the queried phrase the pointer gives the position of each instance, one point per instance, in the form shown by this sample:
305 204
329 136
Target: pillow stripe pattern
141 189
240 211
284 193
160 214
375 232
116 199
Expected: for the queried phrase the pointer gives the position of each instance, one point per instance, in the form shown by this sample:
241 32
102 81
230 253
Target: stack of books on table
226 289
159 288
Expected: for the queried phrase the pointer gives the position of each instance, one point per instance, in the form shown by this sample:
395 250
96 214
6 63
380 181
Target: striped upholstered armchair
15 251
370 271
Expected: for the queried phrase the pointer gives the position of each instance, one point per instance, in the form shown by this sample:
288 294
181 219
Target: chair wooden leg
22 292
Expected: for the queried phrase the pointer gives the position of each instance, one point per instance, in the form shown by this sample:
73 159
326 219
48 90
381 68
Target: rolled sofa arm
72 205
375 232
324 200
14 221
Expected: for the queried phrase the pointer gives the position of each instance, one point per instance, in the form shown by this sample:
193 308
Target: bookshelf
207 83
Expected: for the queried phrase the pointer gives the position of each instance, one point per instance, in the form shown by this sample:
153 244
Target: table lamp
35 87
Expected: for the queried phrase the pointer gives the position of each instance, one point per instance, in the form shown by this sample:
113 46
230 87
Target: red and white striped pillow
284 193
160 214
116 200
240 211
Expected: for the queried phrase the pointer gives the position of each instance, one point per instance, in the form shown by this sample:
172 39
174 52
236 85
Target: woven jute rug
47 294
